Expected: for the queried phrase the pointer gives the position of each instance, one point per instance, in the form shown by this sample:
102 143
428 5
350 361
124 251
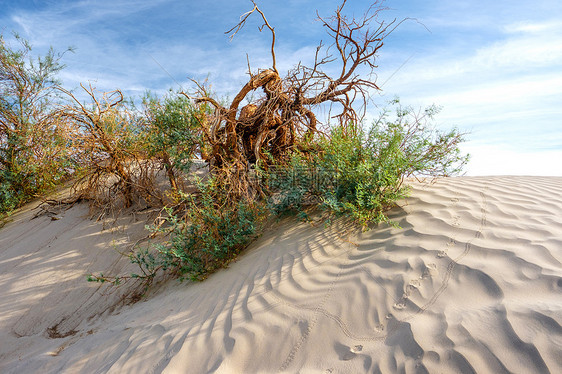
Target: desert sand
471 282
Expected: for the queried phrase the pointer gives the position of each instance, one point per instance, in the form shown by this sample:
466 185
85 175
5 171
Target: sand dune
471 282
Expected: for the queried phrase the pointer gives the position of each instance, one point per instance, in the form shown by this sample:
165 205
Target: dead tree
266 130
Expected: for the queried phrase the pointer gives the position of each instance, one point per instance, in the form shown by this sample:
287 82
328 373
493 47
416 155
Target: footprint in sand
429 271
399 306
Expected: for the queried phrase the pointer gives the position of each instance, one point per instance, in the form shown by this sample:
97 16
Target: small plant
213 231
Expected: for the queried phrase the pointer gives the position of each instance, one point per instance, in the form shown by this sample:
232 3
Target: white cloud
533 27
504 98
530 50
504 160
514 53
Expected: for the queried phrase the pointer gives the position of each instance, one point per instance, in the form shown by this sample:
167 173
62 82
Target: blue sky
494 66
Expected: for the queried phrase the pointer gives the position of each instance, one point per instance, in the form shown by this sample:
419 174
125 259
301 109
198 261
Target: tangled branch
102 133
268 128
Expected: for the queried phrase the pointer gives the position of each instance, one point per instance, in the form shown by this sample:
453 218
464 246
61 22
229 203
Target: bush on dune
354 172
268 157
34 153
360 172
172 134
212 232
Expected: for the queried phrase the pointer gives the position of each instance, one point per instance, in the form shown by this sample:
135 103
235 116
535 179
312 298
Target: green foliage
360 172
419 148
172 134
33 152
10 198
367 182
148 262
212 233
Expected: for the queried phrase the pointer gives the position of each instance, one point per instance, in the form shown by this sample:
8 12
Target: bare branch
274 124
240 25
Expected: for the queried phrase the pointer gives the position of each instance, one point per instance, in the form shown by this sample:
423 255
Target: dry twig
269 128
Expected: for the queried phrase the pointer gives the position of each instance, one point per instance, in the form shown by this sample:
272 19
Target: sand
471 282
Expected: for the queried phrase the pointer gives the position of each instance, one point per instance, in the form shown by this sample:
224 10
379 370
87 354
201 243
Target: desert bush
172 134
206 234
360 172
107 143
213 231
34 153
353 171
269 157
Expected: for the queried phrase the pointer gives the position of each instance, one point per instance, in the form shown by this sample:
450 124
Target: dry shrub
268 129
107 143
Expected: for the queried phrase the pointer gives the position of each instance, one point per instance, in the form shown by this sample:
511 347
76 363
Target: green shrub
172 134
33 147
360 172
213 231
10 198
367 182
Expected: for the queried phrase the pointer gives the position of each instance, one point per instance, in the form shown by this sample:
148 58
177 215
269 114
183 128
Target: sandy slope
471 283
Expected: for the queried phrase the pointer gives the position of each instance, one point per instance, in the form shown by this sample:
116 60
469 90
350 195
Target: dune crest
470 283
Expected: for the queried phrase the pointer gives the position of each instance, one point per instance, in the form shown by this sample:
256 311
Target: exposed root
264 131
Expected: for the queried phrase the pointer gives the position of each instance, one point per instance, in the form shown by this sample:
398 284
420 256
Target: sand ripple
470 283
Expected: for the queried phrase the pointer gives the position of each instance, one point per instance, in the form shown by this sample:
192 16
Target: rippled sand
471 282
